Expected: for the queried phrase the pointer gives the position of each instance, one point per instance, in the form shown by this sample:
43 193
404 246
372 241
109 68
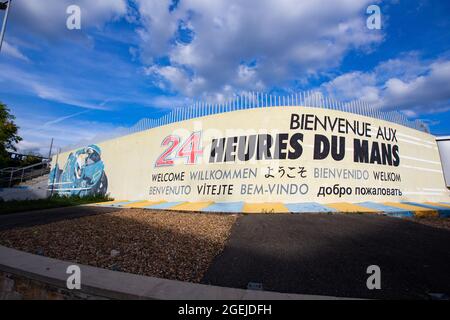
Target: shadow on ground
308 254
40 217
329 254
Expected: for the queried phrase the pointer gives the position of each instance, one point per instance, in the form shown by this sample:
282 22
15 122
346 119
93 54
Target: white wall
130 161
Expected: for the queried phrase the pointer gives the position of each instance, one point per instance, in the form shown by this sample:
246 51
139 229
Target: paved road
328 255
32 218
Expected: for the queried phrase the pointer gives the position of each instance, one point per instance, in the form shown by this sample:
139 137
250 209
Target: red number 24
190 149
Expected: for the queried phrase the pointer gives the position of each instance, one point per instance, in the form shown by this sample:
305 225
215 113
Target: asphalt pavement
316 254
324 254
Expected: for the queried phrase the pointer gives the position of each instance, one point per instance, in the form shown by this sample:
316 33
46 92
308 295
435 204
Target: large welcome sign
289 154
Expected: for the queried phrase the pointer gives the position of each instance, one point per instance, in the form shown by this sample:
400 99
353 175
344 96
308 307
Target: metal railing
12 176
252 100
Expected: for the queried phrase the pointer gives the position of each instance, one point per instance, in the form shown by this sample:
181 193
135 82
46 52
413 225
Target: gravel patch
171 245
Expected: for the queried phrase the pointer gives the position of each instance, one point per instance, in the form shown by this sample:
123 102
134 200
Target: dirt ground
171 245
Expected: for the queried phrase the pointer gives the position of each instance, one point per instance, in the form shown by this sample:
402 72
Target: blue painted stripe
225 207
390 211
120 204
443 212
308 207
164 205
117 204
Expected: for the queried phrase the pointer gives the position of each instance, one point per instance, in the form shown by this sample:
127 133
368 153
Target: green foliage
55 201
8 134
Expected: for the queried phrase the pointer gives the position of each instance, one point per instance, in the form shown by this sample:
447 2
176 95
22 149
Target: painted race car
82 175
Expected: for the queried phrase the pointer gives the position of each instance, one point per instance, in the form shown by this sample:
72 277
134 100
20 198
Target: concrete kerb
120 285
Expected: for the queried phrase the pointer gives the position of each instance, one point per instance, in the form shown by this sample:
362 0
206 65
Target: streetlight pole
54 174
50 151
5 19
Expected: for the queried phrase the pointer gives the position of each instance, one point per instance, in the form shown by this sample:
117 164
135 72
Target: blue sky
135 59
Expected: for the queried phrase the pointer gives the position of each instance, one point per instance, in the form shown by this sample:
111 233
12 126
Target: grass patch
7 207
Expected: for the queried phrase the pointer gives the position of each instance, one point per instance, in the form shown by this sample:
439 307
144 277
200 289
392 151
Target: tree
8 134
31 158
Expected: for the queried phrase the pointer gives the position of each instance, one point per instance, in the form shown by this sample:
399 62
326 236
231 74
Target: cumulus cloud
406 83
429 92
215 46
354 85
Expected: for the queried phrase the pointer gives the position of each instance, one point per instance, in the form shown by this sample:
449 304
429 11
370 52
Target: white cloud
61 119
354 85
27 147
283 40
48 18
406 83
66 134
37 85
13 51
429 92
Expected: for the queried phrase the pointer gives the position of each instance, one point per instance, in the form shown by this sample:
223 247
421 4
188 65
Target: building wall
444 151
131 163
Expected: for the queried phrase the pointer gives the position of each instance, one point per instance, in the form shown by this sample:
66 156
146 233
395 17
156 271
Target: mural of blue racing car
83 174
